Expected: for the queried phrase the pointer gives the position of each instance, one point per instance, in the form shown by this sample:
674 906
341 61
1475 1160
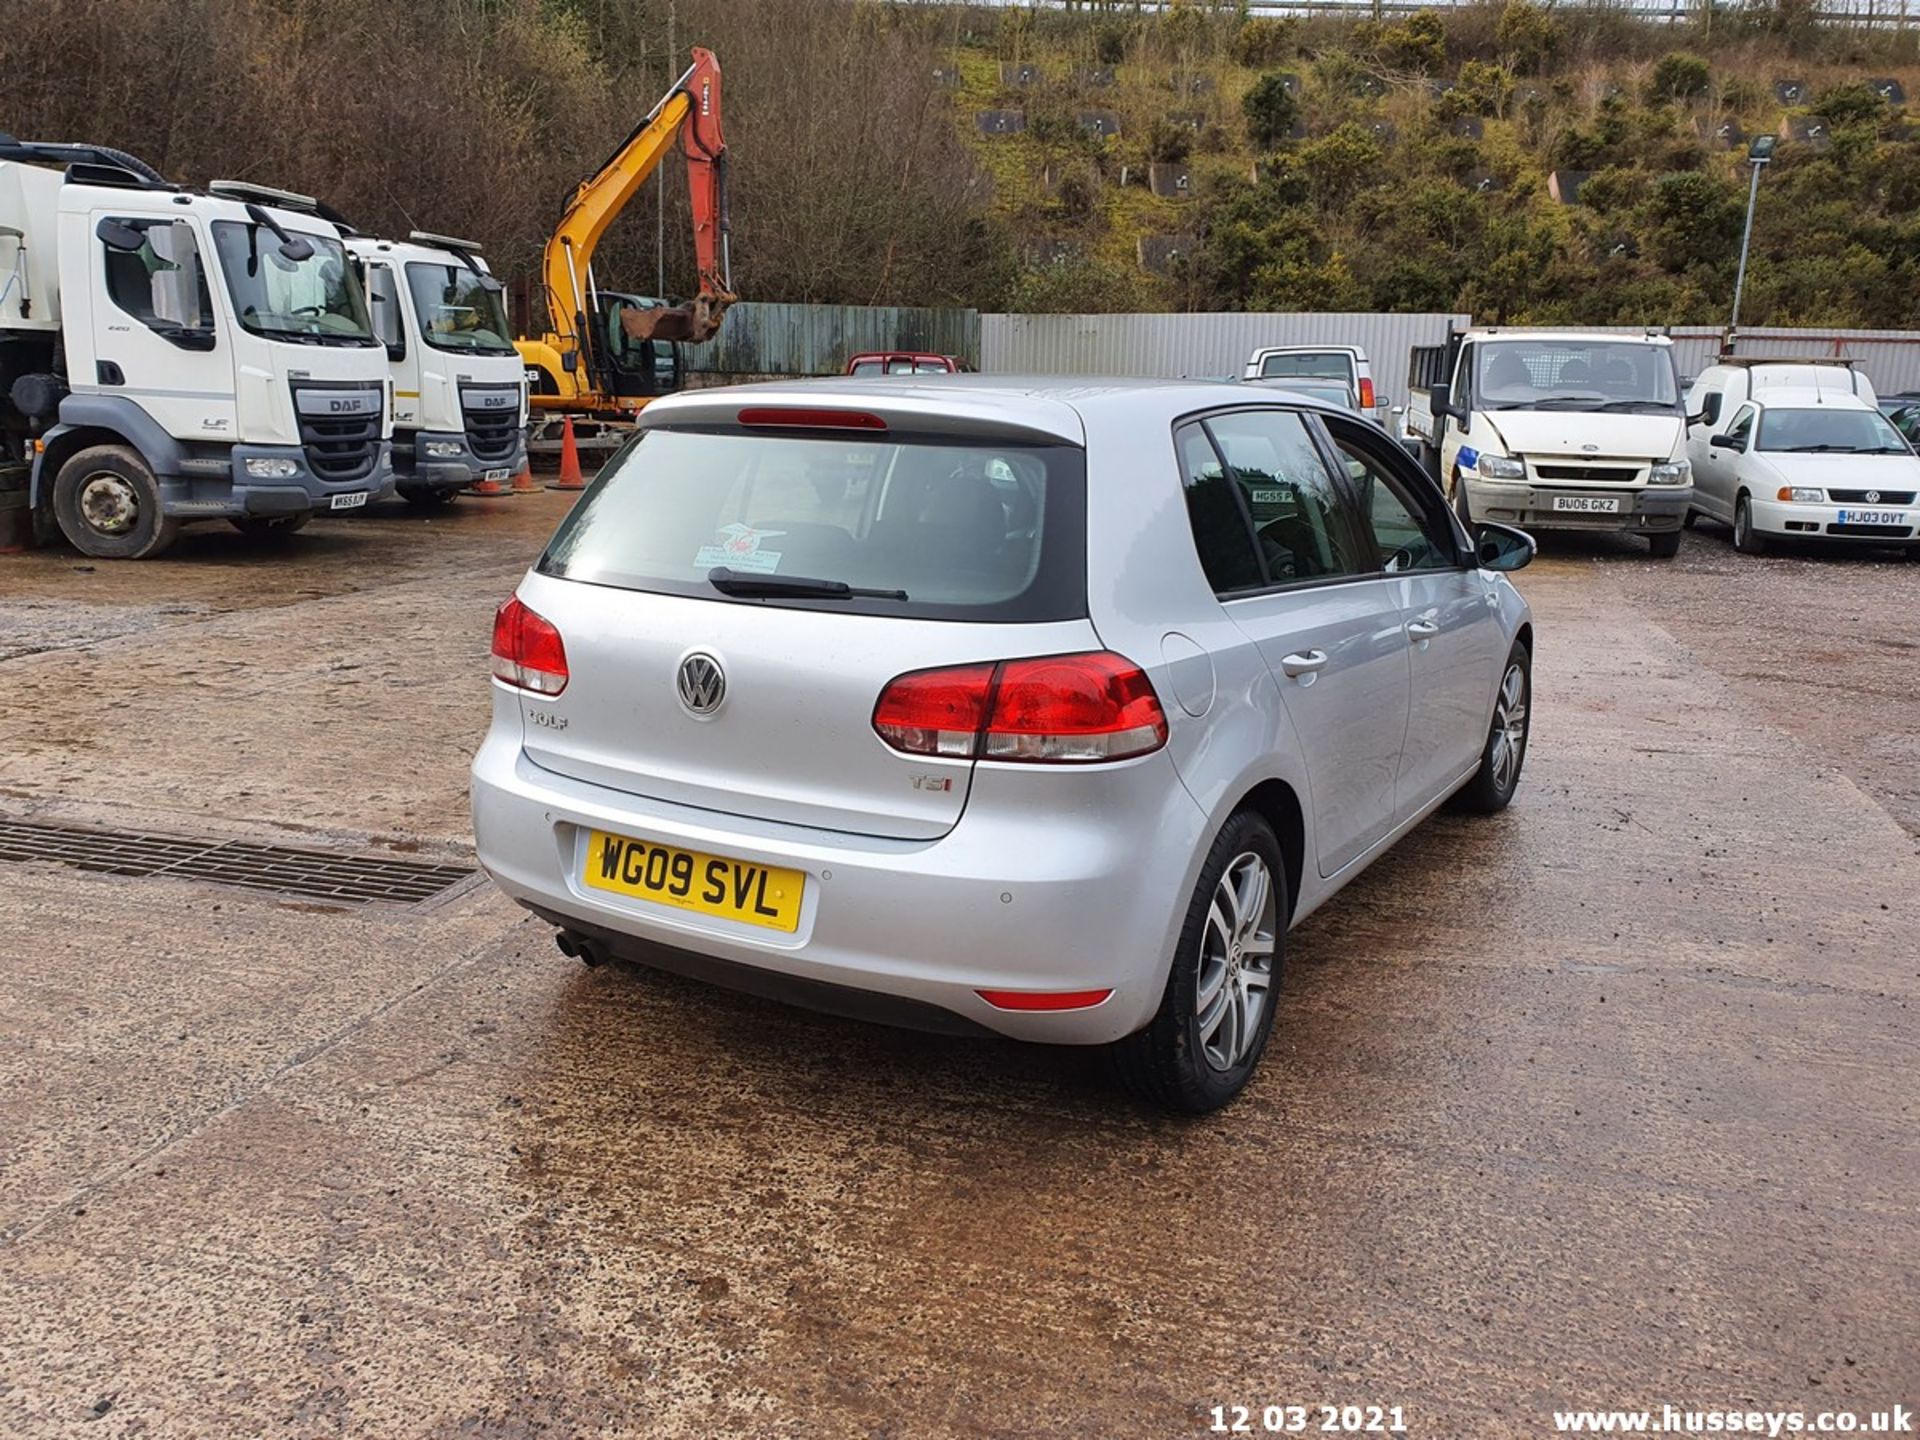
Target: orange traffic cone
523 482
569 460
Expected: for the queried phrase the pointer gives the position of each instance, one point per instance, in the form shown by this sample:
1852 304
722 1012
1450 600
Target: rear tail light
527 650
1056 709
1366 394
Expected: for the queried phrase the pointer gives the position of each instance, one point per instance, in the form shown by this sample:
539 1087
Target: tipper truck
170 355
459 389
1556 430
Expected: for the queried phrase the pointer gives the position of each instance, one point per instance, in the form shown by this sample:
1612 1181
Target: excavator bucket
696 321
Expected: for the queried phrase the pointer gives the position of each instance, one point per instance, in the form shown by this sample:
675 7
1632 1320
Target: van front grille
339 427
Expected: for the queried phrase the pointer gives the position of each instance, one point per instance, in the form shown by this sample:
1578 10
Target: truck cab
1556 430
170 356
459 388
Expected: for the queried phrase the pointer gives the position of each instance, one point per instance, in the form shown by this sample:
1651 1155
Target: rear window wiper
730 582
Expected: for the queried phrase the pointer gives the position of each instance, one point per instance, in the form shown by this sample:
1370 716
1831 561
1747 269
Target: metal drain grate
311 874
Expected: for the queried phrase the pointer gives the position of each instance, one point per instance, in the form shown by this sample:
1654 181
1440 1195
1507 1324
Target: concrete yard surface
1608 1101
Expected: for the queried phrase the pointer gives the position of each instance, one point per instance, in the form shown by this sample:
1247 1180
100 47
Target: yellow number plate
688 880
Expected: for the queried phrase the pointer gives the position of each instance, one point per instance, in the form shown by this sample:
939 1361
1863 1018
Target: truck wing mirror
118 235
295 248
1441 401
492 284
1724 442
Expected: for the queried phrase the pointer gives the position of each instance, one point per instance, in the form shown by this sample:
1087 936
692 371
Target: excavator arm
689 111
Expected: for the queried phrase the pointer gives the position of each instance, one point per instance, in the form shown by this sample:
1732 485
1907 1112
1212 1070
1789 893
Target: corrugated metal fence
1196 346
761 339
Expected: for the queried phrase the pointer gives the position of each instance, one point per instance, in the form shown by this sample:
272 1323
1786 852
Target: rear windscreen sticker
739 549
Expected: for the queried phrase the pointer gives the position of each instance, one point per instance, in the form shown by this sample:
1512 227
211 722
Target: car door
1292 569
1725 464
1449 613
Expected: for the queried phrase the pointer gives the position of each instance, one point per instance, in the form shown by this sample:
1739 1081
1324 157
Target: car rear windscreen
1301 364
969 530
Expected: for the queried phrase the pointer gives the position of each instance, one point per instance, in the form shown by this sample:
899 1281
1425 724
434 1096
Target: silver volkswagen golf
1041 708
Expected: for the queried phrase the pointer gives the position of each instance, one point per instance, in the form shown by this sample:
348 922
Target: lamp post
1758 154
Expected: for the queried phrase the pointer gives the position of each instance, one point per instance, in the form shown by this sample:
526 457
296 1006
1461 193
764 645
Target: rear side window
969 531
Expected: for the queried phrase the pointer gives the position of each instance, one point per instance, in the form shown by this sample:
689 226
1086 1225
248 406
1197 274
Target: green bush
1417 43
1110 42
1480 89
1260 43
1678 76
1271 110
1527 36
1338 164
1857 103
1167 143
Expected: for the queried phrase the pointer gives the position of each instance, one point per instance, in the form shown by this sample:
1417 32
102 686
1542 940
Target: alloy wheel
1509 728
1236 961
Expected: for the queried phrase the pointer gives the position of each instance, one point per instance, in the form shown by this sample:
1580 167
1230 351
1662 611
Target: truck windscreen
314 301
1624 375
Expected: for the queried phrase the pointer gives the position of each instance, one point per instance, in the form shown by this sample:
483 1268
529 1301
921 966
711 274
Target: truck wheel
1746 539
1665 545
1202 1045
271 527
108 505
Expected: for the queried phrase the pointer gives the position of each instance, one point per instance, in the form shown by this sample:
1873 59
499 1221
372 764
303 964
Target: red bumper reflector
1043 999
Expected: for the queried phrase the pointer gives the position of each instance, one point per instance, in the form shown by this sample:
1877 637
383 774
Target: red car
904 362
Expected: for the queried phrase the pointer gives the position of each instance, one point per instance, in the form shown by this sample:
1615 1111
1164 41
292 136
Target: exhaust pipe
578 947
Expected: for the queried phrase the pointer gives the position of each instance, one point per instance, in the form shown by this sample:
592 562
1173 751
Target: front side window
1816 428
1742 426
926 528
1408 531
457 310
163 284
313 301
1300 519
1628 376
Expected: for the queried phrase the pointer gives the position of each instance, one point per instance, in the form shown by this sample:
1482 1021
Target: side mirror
296 249
1501 547
1726 442
1440 401
492 284
118 235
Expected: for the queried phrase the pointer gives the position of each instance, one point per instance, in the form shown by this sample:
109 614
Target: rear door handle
1422 629
1304 664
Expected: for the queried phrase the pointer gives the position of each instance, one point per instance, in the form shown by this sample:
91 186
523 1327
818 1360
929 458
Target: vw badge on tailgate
702 684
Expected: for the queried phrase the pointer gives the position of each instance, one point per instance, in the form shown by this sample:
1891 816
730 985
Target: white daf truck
459 387
1556 430
170 355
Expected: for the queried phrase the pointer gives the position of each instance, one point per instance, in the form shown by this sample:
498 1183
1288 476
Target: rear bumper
1810 522
1643 508
1077 896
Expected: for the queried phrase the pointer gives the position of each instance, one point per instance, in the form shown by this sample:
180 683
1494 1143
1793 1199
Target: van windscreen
968 530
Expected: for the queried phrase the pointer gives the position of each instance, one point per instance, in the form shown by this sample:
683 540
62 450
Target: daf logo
1873 497
343 407
702 684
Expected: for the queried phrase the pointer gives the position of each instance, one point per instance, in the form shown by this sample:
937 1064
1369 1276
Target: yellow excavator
606 354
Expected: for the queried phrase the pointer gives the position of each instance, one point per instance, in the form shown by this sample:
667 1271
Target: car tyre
1665 545
1505 755
1746 539
107 503
271 527
1205 1041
